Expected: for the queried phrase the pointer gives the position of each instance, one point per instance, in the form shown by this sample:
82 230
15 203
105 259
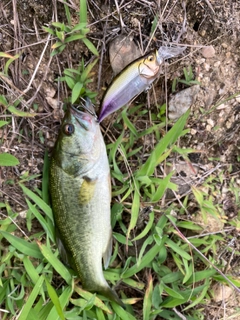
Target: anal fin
108 251
62 250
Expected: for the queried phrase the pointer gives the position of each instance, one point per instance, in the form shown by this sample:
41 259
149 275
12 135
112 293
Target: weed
77 81
9 61
188 81
11 107
7 159
67 33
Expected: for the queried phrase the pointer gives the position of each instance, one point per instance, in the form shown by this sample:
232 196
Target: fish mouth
85 107
84 114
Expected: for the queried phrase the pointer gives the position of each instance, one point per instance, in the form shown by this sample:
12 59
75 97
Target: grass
30 265
163 263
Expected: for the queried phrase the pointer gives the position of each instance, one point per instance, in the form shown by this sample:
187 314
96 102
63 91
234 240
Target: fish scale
81 194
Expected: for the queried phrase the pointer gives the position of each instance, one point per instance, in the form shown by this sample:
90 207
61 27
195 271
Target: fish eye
68 129
151 58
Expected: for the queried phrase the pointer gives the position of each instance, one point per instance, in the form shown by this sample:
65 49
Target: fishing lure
134 79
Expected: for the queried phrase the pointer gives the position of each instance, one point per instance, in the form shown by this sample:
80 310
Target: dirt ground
214 121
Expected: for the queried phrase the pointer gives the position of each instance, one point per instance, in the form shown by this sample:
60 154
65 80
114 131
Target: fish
134 79
80 190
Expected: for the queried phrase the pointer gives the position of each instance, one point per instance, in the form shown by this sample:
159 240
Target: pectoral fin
87 190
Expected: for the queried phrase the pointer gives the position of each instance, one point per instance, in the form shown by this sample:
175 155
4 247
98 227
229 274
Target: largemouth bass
134 79
80 189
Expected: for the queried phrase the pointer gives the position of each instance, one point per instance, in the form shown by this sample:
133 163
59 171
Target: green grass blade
146 260
80 26
9 61
201 275
170 138
147 302
100 314
88 295
3 123
47 226
43 309
121 312
68 15
20 113
164 184
178 250
172 293
146 243
56 263
36 199
31 299
90 46
30 249
63 302
147 228
201 296
83 11
87 70
33 274
188 270
7 160
45 179
112 154
135 210
134 284
54 298
76 91
128 123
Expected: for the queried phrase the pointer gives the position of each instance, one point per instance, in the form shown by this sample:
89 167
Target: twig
17 35
179 233
120 16
2 214
179 314
38 64
184 21
210 6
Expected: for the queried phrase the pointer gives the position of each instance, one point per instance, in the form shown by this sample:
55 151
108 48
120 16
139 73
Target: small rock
183 177
221 292
228 55
206 66
23 214
182 101
200 61
210 122
52 102
209 97
202 32
222 158
221 106
122 51
211 224
135 22
208 128
217 64
208 52
238 98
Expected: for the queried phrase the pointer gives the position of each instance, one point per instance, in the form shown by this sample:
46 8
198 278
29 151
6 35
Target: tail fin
112 295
